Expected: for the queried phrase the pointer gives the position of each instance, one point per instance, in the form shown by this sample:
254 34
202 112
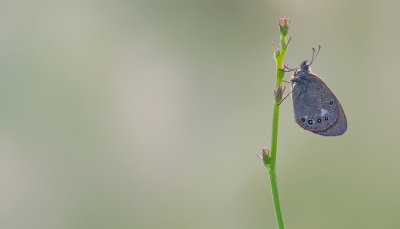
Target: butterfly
315 107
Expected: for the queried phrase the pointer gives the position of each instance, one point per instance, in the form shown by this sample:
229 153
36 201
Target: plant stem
269 158
279 74
274 139
275 196
271 168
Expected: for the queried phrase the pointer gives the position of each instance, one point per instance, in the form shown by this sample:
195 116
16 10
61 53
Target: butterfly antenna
314 56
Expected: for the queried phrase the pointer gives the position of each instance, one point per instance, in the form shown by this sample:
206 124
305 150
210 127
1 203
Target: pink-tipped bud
277 52
286 43
265 150
284 26
265 154
279 93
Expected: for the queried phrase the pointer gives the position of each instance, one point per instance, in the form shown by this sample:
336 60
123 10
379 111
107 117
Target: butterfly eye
310 122
326 118
330 102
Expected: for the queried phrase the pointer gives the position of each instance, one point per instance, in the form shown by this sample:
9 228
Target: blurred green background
148 114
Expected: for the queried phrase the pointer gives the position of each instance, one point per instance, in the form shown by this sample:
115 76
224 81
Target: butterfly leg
287 69
284 98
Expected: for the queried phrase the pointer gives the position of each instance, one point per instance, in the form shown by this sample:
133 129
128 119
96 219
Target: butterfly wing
316 108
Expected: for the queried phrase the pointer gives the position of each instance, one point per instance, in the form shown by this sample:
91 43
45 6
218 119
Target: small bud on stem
279 93
284 26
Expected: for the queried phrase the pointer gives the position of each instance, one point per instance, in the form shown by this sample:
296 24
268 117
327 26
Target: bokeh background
148 114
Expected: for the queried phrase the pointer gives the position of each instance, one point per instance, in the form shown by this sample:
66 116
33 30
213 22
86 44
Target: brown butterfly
316 108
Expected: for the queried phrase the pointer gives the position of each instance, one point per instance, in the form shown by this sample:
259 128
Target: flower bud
284 26
277 53
286 43
265 155
279 93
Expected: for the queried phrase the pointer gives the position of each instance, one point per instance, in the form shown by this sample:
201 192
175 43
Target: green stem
271 167
270 160
274 139
279 74
275 196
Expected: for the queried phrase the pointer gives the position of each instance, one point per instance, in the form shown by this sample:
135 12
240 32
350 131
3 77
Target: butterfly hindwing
315 106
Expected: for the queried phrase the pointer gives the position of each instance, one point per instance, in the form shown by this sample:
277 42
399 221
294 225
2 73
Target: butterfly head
304 69
304 66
